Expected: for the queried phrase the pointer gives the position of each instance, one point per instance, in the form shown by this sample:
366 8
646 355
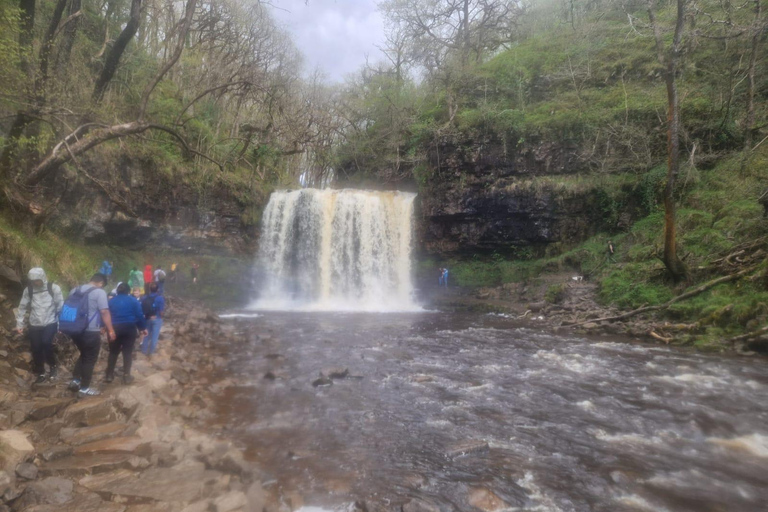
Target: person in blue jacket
106 269
153 305
127 316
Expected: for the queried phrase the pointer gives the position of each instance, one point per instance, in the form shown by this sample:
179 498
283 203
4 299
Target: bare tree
669 58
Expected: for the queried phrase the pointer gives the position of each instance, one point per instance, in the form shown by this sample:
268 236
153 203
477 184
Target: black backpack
31 291
149 306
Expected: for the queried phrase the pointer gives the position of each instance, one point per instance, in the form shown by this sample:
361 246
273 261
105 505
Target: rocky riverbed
137 448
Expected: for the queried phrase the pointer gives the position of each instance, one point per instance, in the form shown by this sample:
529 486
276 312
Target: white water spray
337 250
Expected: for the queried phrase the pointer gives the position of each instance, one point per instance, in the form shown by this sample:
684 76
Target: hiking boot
109 378
53 373
74 385
88 392
40 379
127 379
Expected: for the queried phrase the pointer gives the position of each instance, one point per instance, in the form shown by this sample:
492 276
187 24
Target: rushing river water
571 424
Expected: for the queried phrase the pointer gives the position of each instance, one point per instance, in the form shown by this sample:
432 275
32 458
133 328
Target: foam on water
753 444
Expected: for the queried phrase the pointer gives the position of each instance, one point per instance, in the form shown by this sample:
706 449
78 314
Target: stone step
84 435
91 411
78 466
133 444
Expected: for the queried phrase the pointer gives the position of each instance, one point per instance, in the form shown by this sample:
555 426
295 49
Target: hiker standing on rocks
126 317
160 279
44 301
445 277
172 276
135 280
152 306
85 313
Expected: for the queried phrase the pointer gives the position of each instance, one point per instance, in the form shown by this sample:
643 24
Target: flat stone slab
81 465
90 412
177 484
84 435
89 502
41 409
14 448
133 444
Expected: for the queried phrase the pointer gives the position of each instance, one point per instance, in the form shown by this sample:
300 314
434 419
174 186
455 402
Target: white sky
334 35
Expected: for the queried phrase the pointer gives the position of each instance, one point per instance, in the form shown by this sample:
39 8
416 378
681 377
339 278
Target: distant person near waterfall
147 277
136 280
193 272
152 305
445 277
160 279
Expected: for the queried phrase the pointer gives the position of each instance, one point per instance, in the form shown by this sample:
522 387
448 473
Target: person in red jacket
148 277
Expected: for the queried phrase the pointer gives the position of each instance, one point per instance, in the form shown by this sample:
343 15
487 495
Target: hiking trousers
125 338
41 343
149 345
89 345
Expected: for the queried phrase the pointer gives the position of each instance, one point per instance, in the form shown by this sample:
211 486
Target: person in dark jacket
126 318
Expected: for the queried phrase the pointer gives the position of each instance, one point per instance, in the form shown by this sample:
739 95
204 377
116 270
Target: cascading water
330 250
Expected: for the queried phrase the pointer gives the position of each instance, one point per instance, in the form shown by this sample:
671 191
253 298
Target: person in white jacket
43 301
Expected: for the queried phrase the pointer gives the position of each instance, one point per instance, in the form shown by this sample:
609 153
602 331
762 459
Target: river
466 411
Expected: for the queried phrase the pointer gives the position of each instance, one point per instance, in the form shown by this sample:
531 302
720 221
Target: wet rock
420 379
256 497
57 452
485 500
6 482
467 448
27 471
77 466
200 506
590 325
84 435
322 381
88 502
51 430
270 376
229 502
132 444
537 307
14 449
177 484
181 376
420 506
52 491
87 413
336 373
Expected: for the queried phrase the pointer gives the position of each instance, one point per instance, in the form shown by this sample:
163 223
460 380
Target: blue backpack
73 319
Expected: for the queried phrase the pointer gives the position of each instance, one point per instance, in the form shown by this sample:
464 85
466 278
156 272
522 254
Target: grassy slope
575 85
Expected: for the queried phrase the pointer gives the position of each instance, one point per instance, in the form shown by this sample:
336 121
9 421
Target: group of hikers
133 307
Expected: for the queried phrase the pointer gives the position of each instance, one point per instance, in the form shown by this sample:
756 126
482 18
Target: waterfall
330 250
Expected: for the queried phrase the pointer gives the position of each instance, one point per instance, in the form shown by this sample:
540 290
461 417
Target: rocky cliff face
142 204
485 196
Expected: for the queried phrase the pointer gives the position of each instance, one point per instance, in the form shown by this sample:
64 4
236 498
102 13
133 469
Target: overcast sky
333 35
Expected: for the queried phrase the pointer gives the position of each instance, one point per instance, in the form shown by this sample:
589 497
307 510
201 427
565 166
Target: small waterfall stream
336 250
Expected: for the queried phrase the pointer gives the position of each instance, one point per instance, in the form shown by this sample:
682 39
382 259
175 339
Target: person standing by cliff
152 305
44 301
136 280
611 252
172 275
106 269
147 277
160 279
127 316
92 300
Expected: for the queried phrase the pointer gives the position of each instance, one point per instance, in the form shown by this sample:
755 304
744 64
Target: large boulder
15 448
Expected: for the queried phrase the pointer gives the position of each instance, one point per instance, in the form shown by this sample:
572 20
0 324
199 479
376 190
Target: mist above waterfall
336 250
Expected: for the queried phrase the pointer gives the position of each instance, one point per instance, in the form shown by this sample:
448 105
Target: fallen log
748 336
687 295
659 337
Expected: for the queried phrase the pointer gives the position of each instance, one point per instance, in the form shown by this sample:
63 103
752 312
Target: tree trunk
68 39
26 32
677 269
749 123
46 47
113 58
